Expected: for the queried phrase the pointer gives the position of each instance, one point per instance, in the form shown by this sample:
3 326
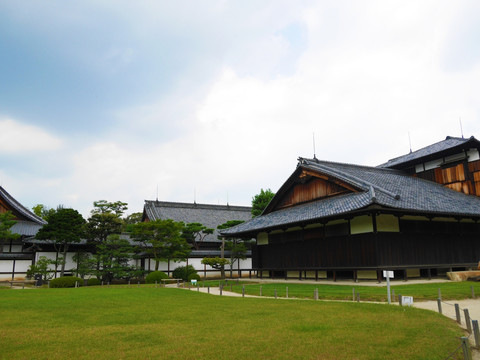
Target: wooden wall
463 177
419 243
312 189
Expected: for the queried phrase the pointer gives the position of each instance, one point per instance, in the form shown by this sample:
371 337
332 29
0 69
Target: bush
65 282
183 272
155 276
194 277
93 282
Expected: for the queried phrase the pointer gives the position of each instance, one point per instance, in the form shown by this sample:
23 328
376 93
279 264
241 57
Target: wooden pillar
379 276
204 271
405 276
300 275
355 276
13 270
429 273
334 275
316 275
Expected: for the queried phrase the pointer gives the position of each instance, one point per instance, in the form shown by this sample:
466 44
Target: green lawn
158 323
428 291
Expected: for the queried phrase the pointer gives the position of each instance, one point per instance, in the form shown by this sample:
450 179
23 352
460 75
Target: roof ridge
354 180
175 204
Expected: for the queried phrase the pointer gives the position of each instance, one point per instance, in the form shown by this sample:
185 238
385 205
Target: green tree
85 264
42 211
104 206
114 255
42 267
195 233
131 220
260 201
65 227
6 222
104 221
237 248
162 239
216 263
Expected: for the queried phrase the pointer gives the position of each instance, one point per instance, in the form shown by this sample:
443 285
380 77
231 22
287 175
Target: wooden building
334 220
209 215
15 258
453 162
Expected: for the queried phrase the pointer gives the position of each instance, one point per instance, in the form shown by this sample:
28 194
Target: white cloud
16 137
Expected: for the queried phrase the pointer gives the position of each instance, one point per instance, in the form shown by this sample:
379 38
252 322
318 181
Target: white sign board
407 300
388 274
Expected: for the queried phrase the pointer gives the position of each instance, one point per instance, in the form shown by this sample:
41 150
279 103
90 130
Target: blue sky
217 99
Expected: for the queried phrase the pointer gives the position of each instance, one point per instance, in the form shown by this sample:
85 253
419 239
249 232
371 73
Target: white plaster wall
6 266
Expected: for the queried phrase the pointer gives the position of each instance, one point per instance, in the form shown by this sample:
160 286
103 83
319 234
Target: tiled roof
19 208
208 215
25 228
444 145
387 188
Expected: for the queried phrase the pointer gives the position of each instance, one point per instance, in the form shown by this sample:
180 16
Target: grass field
158 323
426 291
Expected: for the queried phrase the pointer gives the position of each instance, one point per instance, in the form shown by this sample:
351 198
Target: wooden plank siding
461 178
312 189
419 243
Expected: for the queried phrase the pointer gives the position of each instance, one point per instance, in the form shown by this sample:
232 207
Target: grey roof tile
208 215
388 188
449 143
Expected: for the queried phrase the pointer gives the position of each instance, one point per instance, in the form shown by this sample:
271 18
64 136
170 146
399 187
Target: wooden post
473 292
466 348
476 333
198 286
440 294
405 276
260 290
243 290
231 287
439 304
467 320
353 294
393 295
334 276
275 293
300 275
128 282
208 289
358 297
286 292
457 313
138 283
316 275
221 290
429 273
400 300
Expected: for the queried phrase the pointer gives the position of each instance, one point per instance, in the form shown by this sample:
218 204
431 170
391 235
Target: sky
211 101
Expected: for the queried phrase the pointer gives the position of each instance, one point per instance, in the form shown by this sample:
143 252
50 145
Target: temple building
416 215
15 258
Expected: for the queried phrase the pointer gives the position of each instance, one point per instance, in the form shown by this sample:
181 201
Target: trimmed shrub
155 276
65 282
93 282
194 277
183 272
